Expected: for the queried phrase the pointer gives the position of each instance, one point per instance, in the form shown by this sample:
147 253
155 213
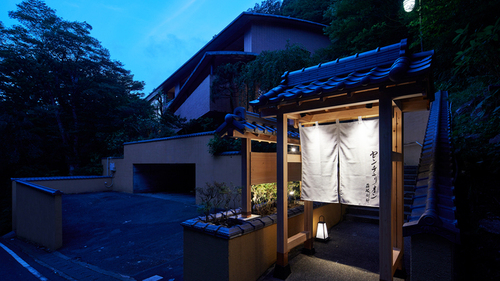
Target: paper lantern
322 231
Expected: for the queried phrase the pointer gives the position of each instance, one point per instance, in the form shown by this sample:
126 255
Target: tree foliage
267 7
227 84
361 25
63 99
264 73
312 10
240 82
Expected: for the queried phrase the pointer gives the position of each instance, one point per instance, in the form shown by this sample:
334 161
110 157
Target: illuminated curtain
319 147
359 163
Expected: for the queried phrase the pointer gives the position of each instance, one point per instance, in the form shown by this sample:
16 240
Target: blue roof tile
244 121
387 65
433 207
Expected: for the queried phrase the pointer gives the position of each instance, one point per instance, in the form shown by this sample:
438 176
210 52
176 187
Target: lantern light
409 5
322 231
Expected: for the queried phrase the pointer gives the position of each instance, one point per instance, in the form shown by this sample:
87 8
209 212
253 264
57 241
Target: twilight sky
152 38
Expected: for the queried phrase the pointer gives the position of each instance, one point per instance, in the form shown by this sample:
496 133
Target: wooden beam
294 116
297 239
246 152
362 96
294 158
261 137
341 101
385 176
416 105
343 114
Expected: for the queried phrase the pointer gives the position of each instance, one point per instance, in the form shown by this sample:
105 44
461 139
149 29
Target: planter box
242 252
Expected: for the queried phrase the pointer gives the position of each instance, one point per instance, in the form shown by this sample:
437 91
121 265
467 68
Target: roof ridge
341 66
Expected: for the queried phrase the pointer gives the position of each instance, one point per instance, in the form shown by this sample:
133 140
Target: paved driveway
138 235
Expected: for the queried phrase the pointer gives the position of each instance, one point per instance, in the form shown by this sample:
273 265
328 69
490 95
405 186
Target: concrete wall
415 124
181 150
37 215
246 257
262 37
198 103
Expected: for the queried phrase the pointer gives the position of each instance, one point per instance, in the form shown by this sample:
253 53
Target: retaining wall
242 252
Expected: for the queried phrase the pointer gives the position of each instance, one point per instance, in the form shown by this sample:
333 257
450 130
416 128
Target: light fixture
408 5
293 149
322 230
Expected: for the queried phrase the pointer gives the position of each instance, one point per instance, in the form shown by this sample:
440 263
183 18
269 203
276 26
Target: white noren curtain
319 147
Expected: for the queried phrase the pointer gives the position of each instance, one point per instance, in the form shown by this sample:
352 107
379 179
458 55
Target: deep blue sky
152 38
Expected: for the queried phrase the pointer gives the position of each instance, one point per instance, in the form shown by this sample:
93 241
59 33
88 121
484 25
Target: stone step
362 210
362 214
362 218
410 179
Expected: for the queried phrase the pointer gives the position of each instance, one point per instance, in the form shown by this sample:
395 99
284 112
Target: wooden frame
391 157
359 85
391 178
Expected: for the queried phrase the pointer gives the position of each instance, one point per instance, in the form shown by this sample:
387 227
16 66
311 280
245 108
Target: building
187 91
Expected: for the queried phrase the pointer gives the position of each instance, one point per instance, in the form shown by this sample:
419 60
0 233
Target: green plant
217 197
264 197
217 145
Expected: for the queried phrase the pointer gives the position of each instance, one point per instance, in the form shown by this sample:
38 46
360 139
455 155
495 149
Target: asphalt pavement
117 236
121 236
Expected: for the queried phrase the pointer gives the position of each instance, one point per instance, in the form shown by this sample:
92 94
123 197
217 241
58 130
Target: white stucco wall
415 124
185 150
263 37
198 103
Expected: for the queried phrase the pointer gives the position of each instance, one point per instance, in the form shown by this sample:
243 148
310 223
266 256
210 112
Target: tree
242 82
227 84
62 86
361 25
264 73
311 10
267 7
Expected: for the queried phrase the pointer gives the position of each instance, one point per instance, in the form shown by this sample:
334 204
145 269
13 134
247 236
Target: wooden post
246 205
308 226
282 268
398 189
385 158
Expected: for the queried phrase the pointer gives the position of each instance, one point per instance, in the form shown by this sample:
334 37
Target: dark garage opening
171 178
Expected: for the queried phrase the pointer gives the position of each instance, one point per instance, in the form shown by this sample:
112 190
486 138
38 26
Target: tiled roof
433 208
244 121
379 67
